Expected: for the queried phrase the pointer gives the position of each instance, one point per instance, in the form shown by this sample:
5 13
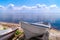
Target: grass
18 32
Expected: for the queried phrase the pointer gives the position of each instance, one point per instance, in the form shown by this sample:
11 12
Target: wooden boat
34 29
6 34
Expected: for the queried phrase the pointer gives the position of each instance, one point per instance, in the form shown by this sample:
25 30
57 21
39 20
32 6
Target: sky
29 2
45 6
29 5
48 8
36 6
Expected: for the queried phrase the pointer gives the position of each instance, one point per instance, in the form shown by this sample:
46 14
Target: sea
16 18
55 25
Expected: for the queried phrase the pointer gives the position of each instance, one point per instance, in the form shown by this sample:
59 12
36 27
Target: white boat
34 29
7 33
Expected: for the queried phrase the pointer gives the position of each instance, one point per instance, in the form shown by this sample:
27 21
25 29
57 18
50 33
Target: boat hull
7 35
32 31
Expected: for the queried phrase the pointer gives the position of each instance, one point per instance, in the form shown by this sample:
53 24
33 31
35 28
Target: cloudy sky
41 5
29 2
49 8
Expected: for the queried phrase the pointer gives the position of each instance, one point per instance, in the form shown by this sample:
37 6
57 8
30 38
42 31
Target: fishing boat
5 34
34 29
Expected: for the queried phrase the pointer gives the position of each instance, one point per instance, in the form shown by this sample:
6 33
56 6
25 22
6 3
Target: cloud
53 6
2 7
41 6
37 8
10 6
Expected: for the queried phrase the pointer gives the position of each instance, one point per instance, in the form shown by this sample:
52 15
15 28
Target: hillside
54 34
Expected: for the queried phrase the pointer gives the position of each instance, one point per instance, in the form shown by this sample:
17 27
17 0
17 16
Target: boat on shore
6 33
34 29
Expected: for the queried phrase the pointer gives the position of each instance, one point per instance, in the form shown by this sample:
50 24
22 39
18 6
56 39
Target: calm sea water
55 25
17 18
